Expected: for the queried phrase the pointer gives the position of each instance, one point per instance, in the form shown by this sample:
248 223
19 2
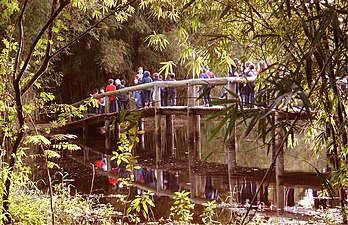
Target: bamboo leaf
219 113
206 158
308 70
226 10
232 122
188 5
218 128
320 33
336 29
306 103
145 207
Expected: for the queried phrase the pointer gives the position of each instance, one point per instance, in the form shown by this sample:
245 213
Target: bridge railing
192 86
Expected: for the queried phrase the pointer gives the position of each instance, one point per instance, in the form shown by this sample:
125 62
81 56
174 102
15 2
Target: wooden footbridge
193 112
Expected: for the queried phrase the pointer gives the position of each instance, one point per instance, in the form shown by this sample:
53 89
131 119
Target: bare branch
42 31
89 29
20 41
49 57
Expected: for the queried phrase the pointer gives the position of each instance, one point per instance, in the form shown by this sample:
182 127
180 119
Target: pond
205 180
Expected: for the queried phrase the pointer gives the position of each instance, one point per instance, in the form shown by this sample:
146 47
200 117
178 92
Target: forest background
71 47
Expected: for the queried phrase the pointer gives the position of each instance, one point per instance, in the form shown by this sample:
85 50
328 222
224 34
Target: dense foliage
303 42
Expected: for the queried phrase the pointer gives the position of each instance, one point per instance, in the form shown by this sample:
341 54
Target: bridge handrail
177 83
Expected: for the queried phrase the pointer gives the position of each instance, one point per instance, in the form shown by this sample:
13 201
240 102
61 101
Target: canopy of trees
81 43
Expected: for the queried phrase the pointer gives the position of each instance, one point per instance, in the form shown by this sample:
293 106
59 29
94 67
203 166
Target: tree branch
89 29
42 31
20 41
49 57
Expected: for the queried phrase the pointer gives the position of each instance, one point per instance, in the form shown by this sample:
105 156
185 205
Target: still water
205 182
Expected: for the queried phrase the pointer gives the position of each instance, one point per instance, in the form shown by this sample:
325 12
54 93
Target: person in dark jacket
147 92
171 91
206 74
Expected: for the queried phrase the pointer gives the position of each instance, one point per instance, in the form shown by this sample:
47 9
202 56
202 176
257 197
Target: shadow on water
205 181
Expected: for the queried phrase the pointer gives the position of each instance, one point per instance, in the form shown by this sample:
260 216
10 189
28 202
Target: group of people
246 91
144 98
117 102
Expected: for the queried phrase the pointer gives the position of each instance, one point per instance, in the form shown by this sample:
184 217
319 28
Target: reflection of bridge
192 110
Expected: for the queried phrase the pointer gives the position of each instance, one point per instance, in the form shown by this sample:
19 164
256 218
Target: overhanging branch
20 41
33 45
49 57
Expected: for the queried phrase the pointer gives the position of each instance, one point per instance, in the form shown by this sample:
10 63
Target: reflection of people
209 190
102 164
149 177
264 196
112 180
247 190
171 181
139 175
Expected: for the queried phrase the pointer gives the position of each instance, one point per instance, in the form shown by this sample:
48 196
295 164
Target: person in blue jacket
147 92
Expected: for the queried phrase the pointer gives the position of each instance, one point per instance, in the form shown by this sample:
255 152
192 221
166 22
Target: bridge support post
231 86
142 136
231 145
194 146
232 161
279 171
158 128
170 151
107 125
107 134
117 129
84 141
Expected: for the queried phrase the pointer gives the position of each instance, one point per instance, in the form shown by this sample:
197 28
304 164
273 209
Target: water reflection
212 185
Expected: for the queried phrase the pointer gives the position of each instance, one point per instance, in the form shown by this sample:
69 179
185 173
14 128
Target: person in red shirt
112 98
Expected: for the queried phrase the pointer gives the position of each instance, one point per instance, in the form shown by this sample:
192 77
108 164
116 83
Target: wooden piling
117 129
84 140
142 136
232 152
279 172
108 163
232 162
194 150
231 146
159 183
107 125
158 129
170 135
232 87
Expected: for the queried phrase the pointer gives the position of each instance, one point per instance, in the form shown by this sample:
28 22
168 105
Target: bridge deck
99 119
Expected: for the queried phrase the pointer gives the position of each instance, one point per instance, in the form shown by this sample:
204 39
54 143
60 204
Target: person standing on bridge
250 86
156 77
171 91
137 80
207 74
101 102
147 92
112 98
95 108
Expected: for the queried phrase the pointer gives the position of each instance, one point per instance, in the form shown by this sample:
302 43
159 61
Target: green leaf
145 207
226 10
336 29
